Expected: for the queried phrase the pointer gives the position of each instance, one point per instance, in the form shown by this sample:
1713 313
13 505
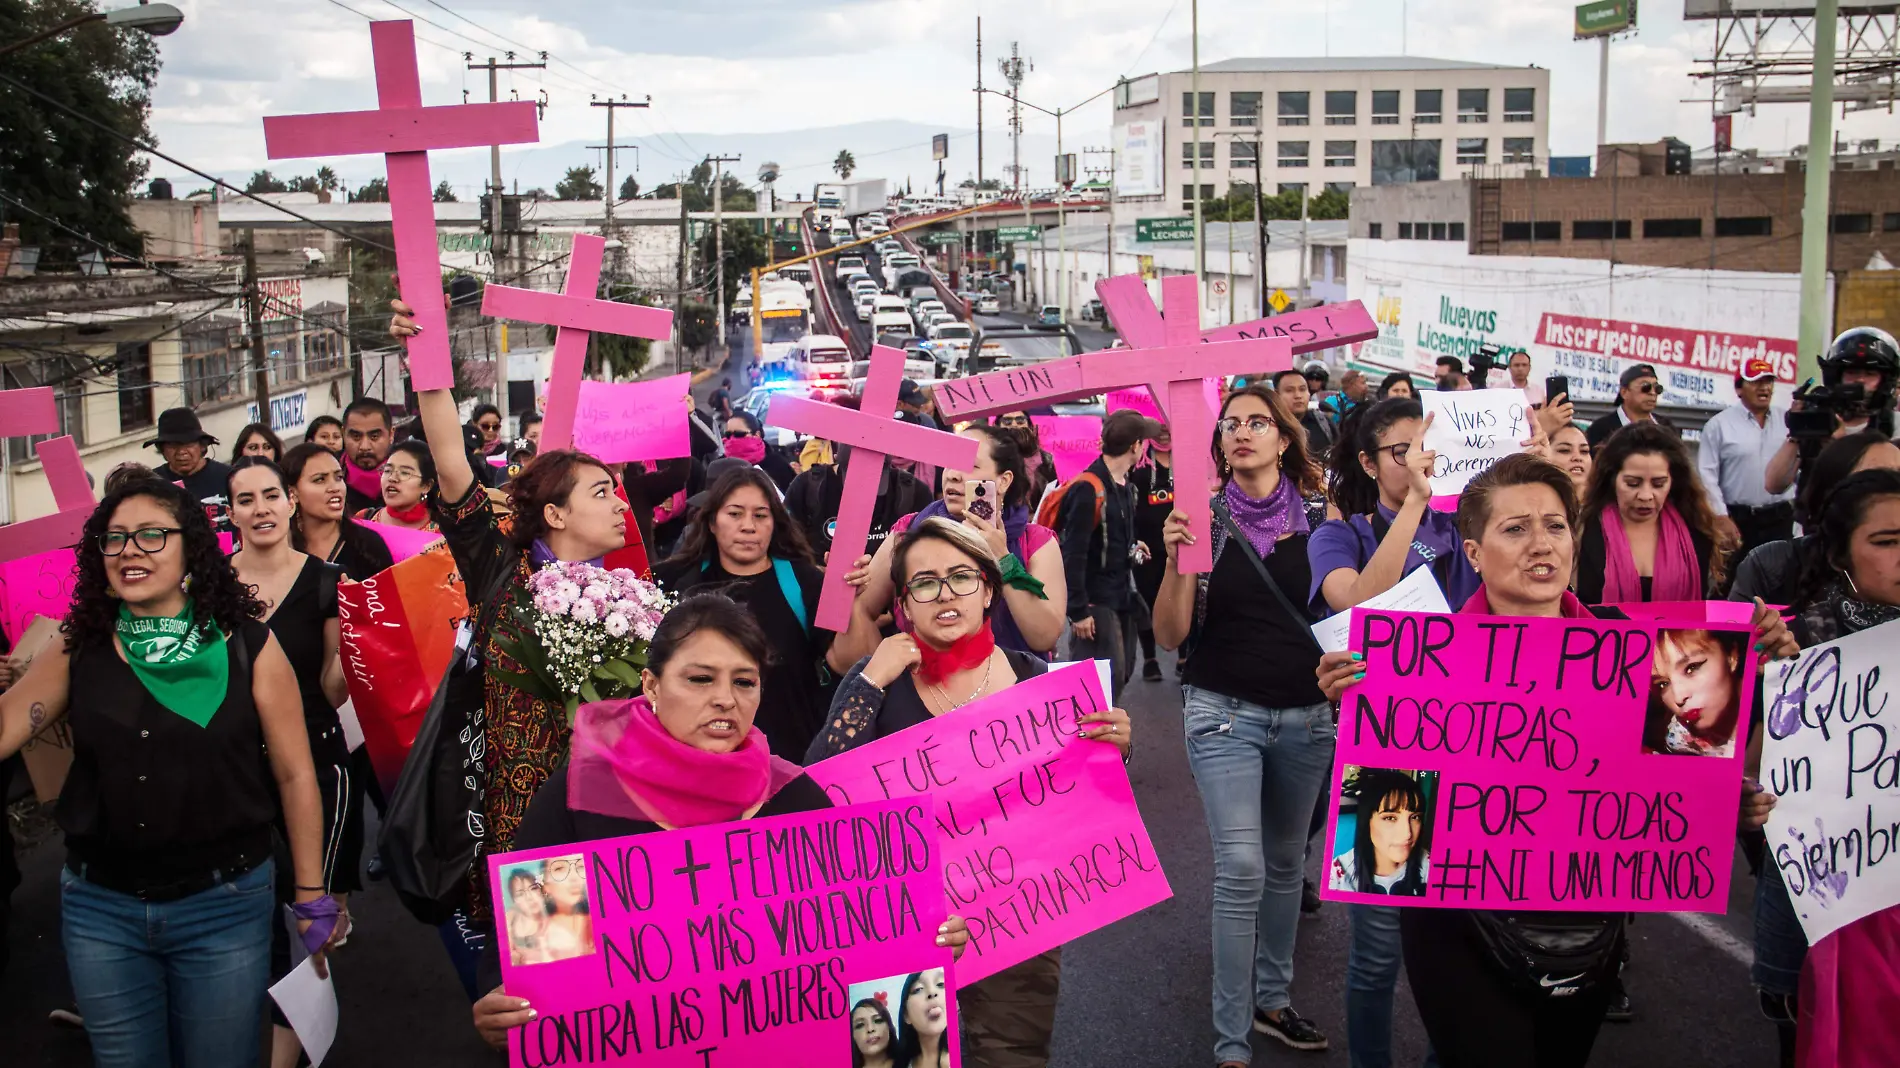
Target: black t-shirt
298 623
814 498
904 706
360 553
209 486
720 401
1248 647
797 686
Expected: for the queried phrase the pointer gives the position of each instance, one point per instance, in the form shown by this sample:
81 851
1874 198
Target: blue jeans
175 982
1780 945
1258 770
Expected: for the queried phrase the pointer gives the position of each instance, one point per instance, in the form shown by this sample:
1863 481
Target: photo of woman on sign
548 917
1385 836
872 1033
926 1019
1695 694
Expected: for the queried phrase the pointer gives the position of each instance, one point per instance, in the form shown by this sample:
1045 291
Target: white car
847 264
986 304
866 301
863 285
937 319
852 277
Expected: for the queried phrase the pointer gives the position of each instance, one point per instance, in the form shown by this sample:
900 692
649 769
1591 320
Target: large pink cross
579 314
404 131
874 435
1174 364
1134 315
33 411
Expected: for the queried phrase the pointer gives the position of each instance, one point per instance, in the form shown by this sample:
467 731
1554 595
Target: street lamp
155 19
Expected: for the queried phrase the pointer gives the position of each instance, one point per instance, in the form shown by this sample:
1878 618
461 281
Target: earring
1850 584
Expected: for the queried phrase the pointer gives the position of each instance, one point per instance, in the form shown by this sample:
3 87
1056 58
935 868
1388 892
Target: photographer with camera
1637 394
1858 375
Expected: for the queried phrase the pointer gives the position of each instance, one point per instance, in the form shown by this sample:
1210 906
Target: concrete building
1318 122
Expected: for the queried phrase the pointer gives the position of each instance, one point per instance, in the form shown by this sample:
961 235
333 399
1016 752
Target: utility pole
979 111
613 191
254 311
1260 225
1200 244
500 241
1013 70
679 286
1817 194
1093 172
719 240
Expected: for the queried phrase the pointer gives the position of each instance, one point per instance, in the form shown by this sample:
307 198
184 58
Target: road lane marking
1716 935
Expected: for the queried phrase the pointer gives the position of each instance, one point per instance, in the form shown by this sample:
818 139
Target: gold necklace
988 666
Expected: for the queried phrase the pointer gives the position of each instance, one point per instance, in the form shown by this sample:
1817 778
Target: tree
623 356
265 182
1331 204
985 184
629 187
79 175
443 194
745 249
375 191
696 190
537 193
327 181
697 328
301 184
579 185
845 164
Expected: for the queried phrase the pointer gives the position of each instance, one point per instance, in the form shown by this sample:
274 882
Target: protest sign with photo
729 944
1471 430
1043 841
1833 760
1517 763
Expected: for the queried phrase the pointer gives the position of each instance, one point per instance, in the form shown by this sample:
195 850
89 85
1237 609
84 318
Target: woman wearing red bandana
408 479
682 754
949 583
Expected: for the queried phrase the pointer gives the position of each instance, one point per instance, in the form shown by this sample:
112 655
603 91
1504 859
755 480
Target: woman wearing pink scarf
682 754
1647 533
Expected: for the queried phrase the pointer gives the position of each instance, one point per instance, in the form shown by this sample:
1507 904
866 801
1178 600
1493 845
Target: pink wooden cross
404 131
1174 365
874 435
1134 315
32 411
579 313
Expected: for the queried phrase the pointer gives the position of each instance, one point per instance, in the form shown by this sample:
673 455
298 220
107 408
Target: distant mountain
893 149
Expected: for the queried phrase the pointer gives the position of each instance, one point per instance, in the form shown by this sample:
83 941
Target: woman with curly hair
186 732
1648 533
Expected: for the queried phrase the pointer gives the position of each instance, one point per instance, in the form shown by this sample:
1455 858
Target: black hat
1635 372
713 471
1864 347
180 426
909 392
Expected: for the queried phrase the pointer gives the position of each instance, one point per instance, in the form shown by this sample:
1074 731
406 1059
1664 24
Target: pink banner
1515 763
1043 841
729 944
39 585
1141 399
403 542
1705 611
1074 440
633 420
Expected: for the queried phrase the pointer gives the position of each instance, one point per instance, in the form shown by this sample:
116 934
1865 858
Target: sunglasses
1654 389
730 434
490 427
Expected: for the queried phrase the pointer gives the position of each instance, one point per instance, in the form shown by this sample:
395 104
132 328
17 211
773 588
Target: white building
1314 123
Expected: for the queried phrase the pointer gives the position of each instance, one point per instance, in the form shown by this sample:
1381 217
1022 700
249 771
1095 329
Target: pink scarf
1678 576
1480 605
368 483
620 749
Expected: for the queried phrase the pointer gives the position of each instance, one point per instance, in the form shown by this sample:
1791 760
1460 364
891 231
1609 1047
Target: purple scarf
1267 520
540 556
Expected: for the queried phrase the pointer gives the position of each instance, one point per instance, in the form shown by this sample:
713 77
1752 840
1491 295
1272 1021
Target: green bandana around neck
180 659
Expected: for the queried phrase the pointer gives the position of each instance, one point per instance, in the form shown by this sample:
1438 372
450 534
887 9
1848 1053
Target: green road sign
1018 233
1599 18
941 237
1175 229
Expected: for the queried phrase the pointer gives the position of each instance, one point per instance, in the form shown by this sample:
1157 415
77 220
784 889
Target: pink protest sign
730 944
633 420
874 433
1142 399
59 458
28 411
1708 611
1517 763
403 543
1042 839
579 313
38 585
1074 440
404 132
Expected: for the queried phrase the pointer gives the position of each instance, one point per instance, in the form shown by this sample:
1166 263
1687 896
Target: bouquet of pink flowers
581 633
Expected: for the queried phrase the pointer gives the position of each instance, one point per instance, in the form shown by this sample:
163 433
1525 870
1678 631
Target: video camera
1483 362
1823 408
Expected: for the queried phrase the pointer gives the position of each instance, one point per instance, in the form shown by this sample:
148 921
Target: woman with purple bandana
1259 736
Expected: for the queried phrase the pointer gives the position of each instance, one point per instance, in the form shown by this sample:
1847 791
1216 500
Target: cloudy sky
718 70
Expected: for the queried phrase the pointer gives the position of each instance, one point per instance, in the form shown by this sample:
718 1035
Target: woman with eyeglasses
742 542
320 523
949 582
188 743
298 593
1648 533
408 480
1259 734
256 439
685 753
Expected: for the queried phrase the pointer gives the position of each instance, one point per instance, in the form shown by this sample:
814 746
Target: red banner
1667 346
398 633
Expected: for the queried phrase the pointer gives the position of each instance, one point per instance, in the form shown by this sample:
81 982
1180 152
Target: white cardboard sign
1471 430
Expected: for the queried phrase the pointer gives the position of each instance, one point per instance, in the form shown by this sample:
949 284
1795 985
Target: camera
1825 407
1483 362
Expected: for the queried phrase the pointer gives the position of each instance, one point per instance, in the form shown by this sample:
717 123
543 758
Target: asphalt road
1134 995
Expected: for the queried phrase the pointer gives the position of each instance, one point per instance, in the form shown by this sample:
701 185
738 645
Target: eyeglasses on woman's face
1255 424
400 473
148 539
559 870
1399 450
744 432
926 589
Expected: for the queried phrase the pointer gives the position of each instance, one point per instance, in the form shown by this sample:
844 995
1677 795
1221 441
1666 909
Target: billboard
1601 18
1138 171
1725 9
940 146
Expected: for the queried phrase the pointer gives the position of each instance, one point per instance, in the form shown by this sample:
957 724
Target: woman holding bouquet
683 754
743 541
950 584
